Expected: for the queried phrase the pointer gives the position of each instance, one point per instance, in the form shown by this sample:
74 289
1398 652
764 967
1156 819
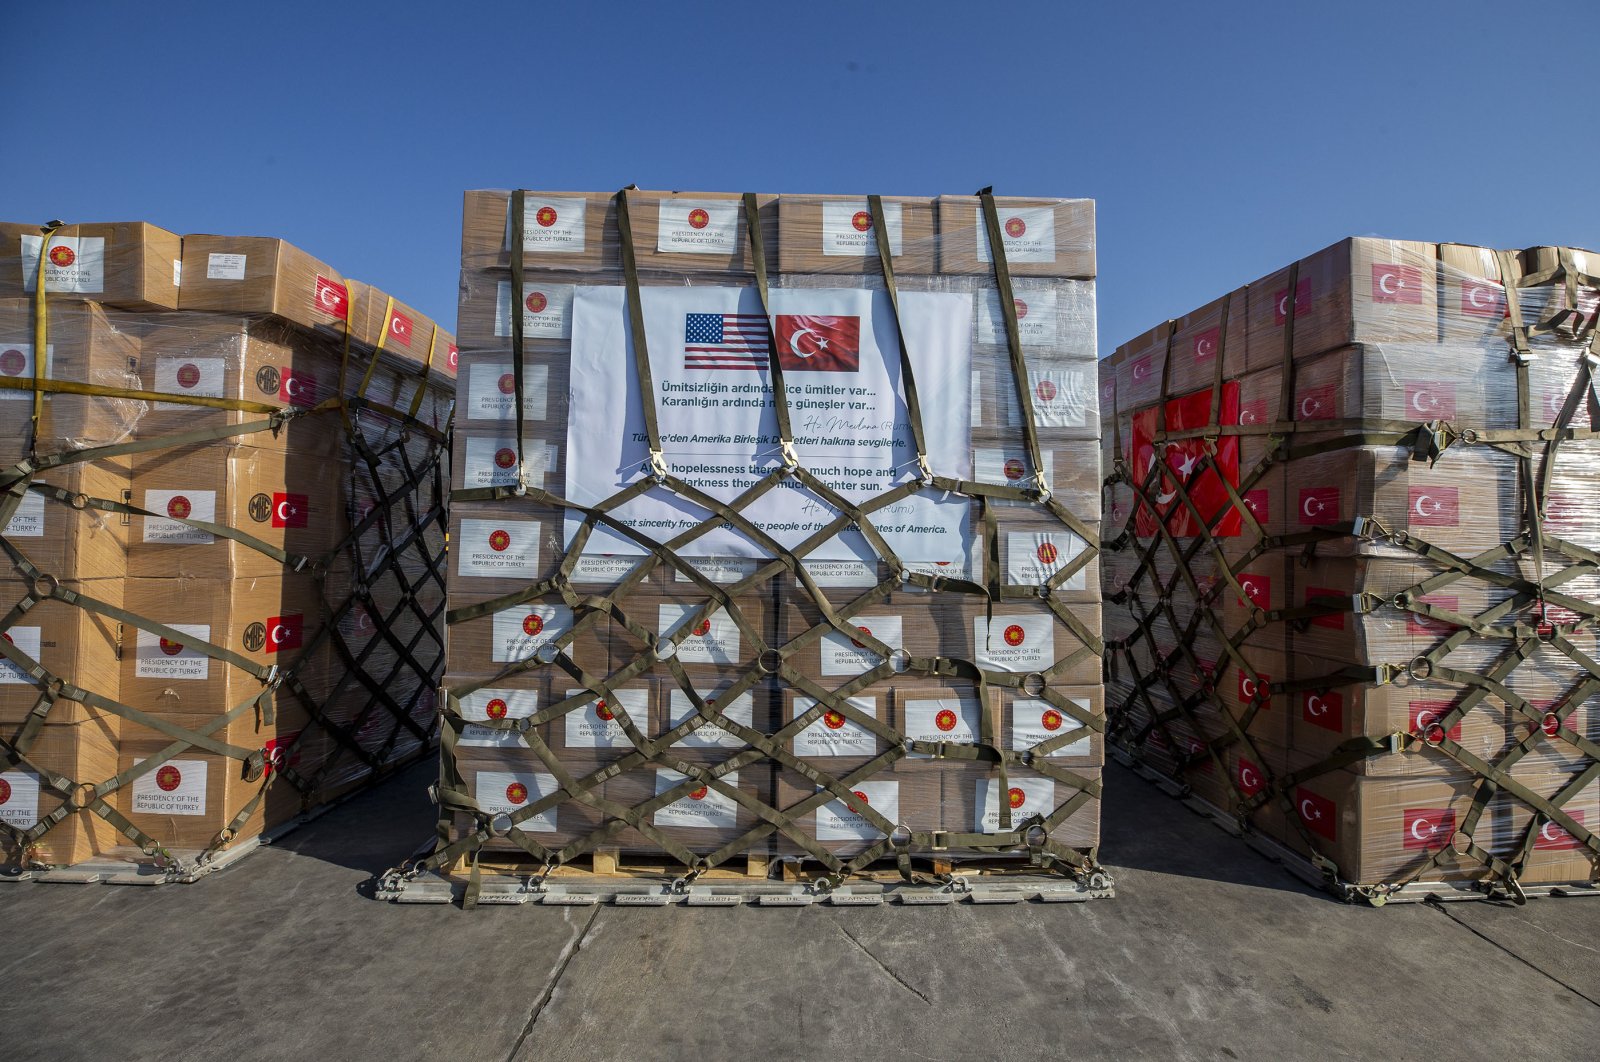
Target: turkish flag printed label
183 375
175 506
19 799
1431 399
1257 591
597 723
1323 709
1025 796
1249 776
1396 283
1034 722
1207 343
1333 621
1318 505
837 822
72 264
401 328
1257 688
498 548
847 229
496 703
714 641
1317 403
1259 502
1319 814
551 224
818 343
1482 298
740 710
507 792
282 751
291 510
1015 643
176 787
1428 627
953 720
1183 458
702 808
520 631
835 734
842 655
1254 412
285 633
1553 837
1425 715
1434 506
492 391
297 387
1027 234
331 298
698 226
1427 827
1302 302
153 657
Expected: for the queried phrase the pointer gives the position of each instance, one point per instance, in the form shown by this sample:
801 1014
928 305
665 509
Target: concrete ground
1208 951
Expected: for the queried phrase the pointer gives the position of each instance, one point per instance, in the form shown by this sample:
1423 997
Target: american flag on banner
724 341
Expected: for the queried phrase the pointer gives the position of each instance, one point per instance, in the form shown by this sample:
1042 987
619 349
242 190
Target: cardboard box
503 782
256 274
70 642
700 815
127 263
185 801
834 234
561 230
1041 237
905 798
63 758
972 795
85 347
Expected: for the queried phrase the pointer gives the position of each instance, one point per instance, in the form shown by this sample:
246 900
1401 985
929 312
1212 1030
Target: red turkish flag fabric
1183 456
818 343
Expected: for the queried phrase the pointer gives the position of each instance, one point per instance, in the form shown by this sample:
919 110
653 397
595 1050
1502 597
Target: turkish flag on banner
816 343
1183 457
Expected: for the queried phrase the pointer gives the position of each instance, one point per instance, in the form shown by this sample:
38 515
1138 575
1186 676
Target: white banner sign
718 422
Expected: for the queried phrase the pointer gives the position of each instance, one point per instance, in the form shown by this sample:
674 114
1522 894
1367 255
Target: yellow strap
41 334
377 350
422 377
99 391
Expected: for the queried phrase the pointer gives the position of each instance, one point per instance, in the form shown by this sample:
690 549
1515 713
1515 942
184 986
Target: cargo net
735 742
1351 589
132 729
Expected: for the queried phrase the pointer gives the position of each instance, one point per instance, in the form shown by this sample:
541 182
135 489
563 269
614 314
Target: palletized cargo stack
713 620
1351 588
224 522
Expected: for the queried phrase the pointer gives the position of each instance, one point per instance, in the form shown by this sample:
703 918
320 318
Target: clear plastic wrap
731 661
224 527
1373 637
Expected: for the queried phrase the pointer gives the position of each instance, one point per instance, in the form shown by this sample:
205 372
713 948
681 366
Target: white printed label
1028 234
177 787
1026 796
836 822
546 310
487 704
844 573
177 272
724 571
977 399
508 792
603 568
16 360
1062 398
1015 643
709 735
847 229
205 377
25 639
72 263
19 799
701 808
714 639
595 725
520 631
953 720
492 392
1011 468
845 656
1034 557
1035 722
179 505
160 658
551 225
492 462
505 549
28 520
698 226
1036 318
225 267
835 734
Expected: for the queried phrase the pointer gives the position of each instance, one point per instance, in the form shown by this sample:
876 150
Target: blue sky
1221 139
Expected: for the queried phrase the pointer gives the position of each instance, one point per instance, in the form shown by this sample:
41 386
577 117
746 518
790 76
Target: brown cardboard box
70 642
1199 338
1042 237
908 798
1030 722
503 782
126 263
1359 290
380 321
1557 854
834 234
85 346
59 538
837 740
185 801
74 754
562 230
972 795
703 817
255 274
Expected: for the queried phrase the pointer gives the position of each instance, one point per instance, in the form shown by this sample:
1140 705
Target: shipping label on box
492 392
505 549
701 808
1027 234
546 310
948 718
496 704
835 734
1062 398
177 787
179 505
492 462
75 264
16 361
1036 318
551 224
837 822
520 631
1015 643
698 226
1025 796
19 799
1034 557
1034 722
28 519
714 639
842 655
709 735
27 640
847 229
507 792
161 658
201 377
595 725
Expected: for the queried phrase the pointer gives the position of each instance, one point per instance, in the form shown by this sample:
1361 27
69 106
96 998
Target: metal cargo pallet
1300 867
432 887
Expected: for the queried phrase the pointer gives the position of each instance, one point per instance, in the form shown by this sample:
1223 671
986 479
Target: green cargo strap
518 256
636 330
1008 314
908 381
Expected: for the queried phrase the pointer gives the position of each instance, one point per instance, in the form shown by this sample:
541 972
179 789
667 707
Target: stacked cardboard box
1330 606
224 581
750 692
